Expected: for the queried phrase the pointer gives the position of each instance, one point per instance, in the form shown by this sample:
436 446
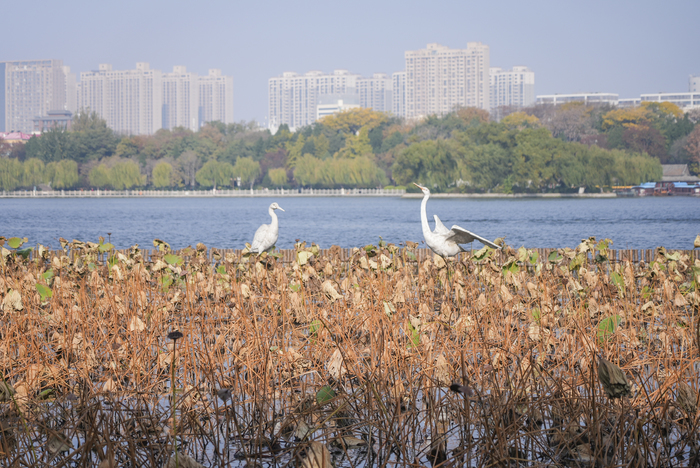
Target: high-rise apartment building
694 84
29 88
181 99
71 91
142 101
398 107
514 87
440 79
130 101
215 97
376 92
293 99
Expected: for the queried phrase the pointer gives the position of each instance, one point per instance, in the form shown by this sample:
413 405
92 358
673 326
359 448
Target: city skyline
596 47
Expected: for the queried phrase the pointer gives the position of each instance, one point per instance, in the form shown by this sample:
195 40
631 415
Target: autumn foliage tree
351 121
693 148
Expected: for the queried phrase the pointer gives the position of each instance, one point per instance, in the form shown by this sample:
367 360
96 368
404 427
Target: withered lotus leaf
613 379
687 398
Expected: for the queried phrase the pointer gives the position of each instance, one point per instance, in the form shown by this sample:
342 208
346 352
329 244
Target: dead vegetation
197 358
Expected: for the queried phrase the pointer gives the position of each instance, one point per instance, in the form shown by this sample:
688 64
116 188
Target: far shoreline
297 193
394 193
512 195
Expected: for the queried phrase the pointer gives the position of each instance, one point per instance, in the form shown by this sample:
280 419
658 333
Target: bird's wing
260 238
462 236
439 227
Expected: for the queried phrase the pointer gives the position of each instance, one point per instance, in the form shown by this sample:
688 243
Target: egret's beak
419 186
279 208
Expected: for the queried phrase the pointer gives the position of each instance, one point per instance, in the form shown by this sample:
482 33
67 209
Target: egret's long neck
424 216
273 215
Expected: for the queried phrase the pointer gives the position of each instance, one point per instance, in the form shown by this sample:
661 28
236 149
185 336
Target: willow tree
100 176
306 170
247 169
34 172
215 174
162 175
433 163
278 176
125 175
11 173
62 174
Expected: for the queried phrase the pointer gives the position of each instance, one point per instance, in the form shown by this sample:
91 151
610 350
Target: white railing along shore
203 193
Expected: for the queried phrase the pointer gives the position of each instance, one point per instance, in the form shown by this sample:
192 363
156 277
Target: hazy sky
625 47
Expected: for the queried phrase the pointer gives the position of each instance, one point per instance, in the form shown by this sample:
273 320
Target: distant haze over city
628 48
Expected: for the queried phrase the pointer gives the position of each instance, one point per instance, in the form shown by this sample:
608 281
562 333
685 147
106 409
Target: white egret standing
266 235
445 242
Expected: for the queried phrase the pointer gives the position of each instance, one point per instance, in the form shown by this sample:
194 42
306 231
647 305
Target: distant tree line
536 149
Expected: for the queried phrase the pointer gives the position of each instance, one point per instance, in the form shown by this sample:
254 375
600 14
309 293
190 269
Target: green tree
125 175
278 176
162 175
294 150
366 173
305 172
488 166
247 169
62 174
600 170
534 159
91 138
215 174
128 148
432 163
11 173
692 146
571 166
322 147
52 145
34 170
100 176
356 146
635 168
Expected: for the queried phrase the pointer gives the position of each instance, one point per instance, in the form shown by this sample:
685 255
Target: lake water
634 223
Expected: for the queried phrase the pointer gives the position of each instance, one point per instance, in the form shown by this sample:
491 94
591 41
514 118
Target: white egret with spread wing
267 234
446 242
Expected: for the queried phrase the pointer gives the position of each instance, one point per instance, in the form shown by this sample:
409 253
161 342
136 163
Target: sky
616 46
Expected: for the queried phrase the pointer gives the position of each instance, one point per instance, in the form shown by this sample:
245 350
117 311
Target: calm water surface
639 223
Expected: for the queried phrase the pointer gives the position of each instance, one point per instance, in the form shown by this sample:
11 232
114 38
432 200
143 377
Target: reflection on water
639 223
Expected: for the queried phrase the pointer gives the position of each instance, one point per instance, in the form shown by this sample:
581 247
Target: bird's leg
450 277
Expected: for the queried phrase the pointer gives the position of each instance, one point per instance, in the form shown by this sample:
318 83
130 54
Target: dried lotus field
379 356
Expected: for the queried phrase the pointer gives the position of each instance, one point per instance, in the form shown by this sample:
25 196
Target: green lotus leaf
25 252
413 334
15 242
172 259
315 327
324 395
44 291
607 326
106 247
